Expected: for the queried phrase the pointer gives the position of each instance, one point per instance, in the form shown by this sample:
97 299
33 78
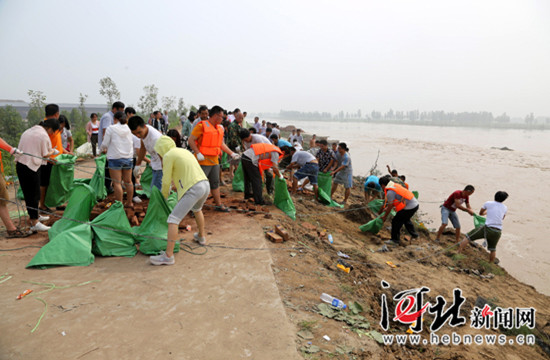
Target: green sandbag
376 205
82 181
81 203
225 161
145 181
479 220
69 248
70 241
154 226
172 200
282 198
415 193
61 180
107 240
324 181
98 179
238 179
373 226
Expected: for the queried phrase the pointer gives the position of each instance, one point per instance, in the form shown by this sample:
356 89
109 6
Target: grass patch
347 288
491 268
458 257
307 325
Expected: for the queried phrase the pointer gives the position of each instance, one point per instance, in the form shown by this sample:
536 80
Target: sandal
222 208
18 234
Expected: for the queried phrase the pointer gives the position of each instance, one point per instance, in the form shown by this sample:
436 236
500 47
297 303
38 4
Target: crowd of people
189 161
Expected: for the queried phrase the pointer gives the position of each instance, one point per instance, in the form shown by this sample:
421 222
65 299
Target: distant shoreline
430 123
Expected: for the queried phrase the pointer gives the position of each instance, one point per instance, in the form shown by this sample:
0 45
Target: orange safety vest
212 139
399 190
263 151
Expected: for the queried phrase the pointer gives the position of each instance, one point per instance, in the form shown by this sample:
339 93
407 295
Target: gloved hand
136 171
281 177
55 152
235 156
200 157
238 148
16 151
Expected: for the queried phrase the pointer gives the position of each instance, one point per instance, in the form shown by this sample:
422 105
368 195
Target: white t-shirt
118 141
256 139
65 135
137 144
302 158
495 214
252 156
149 141
276 132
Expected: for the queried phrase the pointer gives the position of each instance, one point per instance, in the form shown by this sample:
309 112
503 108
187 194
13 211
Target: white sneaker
39 227
198 239
43 218
137 200
162 259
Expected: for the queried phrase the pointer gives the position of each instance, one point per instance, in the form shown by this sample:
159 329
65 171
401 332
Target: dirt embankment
302 275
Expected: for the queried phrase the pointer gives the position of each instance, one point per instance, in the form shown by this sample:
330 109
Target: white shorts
193 199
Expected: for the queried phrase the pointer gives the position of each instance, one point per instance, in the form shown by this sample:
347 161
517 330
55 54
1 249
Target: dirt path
225 303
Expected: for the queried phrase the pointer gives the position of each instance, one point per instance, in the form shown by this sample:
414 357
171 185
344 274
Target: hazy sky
303 55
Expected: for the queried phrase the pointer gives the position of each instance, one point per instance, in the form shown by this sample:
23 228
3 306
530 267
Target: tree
181 107
149 101
11 128
11 125
37 109
81 100
75 117
109 90
168 103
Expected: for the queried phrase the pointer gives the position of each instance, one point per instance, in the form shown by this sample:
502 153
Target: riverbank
438 161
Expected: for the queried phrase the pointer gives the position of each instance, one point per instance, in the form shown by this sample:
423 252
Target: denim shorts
447 215
309 170
120 164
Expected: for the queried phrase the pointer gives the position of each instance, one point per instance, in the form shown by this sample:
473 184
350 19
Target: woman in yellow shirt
180 167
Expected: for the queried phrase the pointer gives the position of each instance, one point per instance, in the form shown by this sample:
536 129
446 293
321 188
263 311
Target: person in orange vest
13 232
52 112
398 198
259 158
207 143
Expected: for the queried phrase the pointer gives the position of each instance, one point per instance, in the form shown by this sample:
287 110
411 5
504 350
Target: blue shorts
447 214
309 170
120 164
157 179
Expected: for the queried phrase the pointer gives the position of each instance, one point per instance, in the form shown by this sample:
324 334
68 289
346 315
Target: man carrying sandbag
256 160
181 167
398 198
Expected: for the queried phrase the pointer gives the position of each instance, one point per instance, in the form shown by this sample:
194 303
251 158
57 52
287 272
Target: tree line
12 125
481 118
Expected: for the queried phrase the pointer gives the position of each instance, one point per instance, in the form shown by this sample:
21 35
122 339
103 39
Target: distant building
23 108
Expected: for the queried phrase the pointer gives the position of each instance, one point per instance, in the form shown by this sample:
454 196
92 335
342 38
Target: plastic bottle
330 239
333 301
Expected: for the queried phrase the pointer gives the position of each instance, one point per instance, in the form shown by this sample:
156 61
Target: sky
305 55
